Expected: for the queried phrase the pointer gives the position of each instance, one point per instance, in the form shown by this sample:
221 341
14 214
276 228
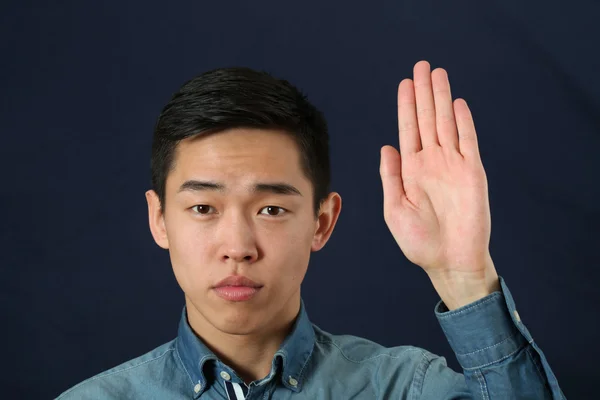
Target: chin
231 317
241 326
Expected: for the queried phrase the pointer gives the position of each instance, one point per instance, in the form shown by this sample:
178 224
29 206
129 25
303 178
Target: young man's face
225 226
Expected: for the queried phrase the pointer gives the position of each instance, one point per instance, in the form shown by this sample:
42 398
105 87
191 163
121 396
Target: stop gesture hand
435 191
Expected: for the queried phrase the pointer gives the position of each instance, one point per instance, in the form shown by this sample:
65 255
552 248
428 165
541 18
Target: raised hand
435 191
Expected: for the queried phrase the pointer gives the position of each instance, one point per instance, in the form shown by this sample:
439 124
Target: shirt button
225 375
197 388
517 316
293 382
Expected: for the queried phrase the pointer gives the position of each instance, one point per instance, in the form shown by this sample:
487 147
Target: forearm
496 351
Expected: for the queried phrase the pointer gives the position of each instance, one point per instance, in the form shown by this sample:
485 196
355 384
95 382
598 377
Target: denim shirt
499 358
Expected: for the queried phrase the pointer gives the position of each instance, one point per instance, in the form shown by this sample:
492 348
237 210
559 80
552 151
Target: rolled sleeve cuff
484 332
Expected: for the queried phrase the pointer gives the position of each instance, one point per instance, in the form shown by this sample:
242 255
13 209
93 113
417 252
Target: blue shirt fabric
500 360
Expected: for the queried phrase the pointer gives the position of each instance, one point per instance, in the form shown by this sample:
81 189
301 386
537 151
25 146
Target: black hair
240 97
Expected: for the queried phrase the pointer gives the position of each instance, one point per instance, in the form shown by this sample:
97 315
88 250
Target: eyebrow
276 187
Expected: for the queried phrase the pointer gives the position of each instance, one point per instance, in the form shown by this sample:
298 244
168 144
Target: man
240 174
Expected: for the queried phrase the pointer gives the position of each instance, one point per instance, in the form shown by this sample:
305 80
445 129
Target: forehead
239 156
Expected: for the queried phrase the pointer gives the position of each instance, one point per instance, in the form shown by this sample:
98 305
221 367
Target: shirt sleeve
499 357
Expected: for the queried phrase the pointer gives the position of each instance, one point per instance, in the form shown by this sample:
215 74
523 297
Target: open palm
435 191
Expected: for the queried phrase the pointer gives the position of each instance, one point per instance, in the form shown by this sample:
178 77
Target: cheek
193 249
189 249
289 251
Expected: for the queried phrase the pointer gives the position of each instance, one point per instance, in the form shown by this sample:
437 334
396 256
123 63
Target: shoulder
394 371
358 349
353 353
133 375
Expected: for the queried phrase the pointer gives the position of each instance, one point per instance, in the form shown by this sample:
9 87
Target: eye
274 211
202 209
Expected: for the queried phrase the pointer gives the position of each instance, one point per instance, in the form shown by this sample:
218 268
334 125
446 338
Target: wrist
458 288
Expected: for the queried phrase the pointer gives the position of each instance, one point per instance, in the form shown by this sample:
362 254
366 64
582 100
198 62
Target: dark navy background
84 287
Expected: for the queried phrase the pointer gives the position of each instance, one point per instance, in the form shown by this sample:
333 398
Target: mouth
236 293
237 288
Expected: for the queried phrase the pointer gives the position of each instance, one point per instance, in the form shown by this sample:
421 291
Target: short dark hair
240 97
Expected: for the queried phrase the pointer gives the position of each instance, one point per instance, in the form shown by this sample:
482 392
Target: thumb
390 169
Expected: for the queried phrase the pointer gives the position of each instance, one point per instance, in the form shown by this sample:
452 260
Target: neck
250 354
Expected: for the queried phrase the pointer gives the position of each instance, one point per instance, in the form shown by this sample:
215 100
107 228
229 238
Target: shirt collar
293 354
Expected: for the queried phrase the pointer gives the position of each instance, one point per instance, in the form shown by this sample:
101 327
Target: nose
238 240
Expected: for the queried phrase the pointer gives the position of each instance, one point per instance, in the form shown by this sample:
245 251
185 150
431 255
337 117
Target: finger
390 169
425 104
445 122
467 137
408 129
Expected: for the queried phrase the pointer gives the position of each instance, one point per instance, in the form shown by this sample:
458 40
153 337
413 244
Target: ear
156 220
328 215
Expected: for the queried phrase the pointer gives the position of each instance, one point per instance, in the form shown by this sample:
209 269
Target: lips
238 280
237 288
